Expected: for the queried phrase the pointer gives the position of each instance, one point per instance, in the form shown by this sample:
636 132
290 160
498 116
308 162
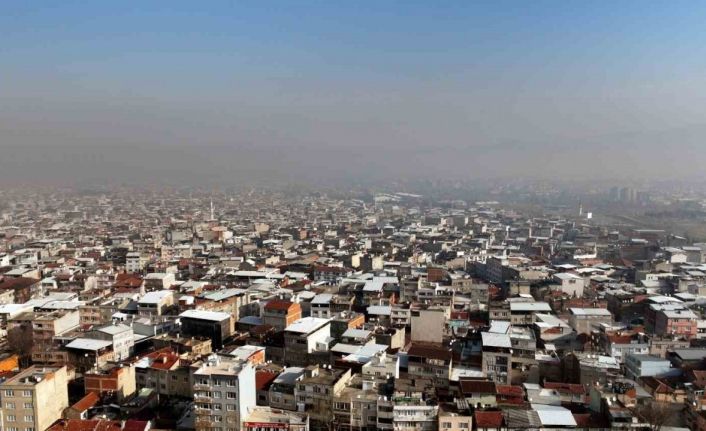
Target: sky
184 91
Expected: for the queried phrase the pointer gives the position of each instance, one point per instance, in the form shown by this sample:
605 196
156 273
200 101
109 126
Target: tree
655 414
19 339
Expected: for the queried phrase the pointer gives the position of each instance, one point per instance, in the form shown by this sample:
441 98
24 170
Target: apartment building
281 392
585 320
118 380
429 325
637 366
451 418
163 372
679 323
355 407
34 399
155 303
321 306
232 301
135 262
524 313
305 337
215 325
432 361
47 326
497 357
280 313
122 337
414 407
316 391
381 368
224 393
268 419
101 312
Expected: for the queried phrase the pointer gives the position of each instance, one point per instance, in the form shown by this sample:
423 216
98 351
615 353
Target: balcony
202 398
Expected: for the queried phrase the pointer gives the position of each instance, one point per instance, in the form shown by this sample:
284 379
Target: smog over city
178 91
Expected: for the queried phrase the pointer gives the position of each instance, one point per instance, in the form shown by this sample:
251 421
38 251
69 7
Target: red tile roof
163 359
459 315
128 281
17 282
85 403
429 351
478 386
492 419
135 425
85 425
263 379
510 390
279 304
619 339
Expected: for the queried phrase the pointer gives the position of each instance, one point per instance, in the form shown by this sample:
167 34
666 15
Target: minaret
212 218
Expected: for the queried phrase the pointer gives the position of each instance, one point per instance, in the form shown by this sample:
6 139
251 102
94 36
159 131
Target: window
27 405
12 429
231 395
216 407
230 407
29 429
26 393
29 418
9 393
11 418
216 394
10 406
218 419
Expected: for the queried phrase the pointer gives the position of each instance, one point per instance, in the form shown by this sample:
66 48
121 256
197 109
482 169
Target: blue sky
556 79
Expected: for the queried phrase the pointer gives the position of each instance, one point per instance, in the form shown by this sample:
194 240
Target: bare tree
655 414
19 339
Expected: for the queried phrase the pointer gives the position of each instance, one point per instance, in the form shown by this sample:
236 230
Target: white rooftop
215 316
155 297
590 311
554 415
496 340
322 298
376 284
88 344
244 352
499 327
307 325
380 310
530 306
566 276
356 333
